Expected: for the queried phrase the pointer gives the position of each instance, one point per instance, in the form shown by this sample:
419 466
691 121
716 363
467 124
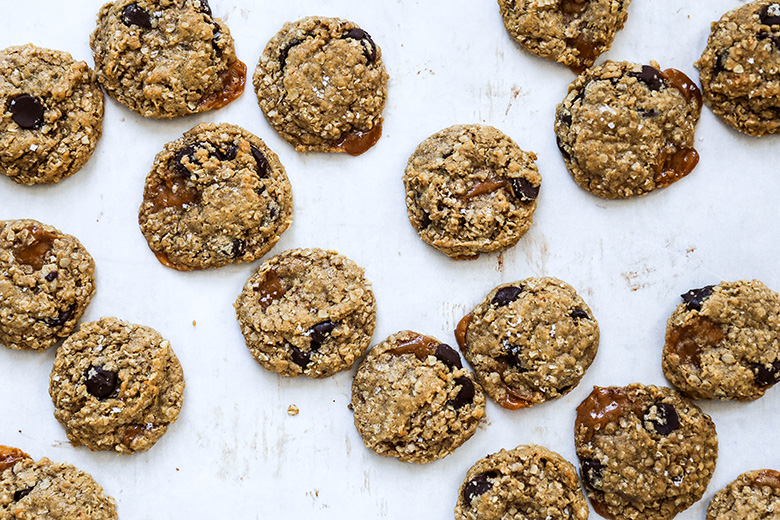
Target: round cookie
53 114
166 58
307 312
49 490
571 32
739 68
526 482
646 453
216 196
723 342
754 495
116 386
47 279
413 399
470 189
529 341
626 129
322 85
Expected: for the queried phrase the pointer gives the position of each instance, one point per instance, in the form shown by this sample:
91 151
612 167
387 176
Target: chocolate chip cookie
166 58
47 279
723 341
646 453
626 129
49 490
413 399
322 85
754 495
739 68
571 32
526 482
216 196
307 312
53 114
116 386
470 189
529 341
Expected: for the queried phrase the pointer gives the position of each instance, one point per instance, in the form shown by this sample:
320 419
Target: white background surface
235 452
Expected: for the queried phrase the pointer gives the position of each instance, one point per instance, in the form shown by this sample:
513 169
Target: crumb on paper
292 410
194 323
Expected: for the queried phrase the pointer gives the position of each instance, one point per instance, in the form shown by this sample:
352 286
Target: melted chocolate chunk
217 33
661 418
100 382
134 15
512 357
237 247
720 61
770 14
560 147
20 494
764 36
506 295
369 47
566 119
205 7
648 114
27 111
650 76
477 486
447 355
465 395
766 374
300 357
592 472
425 221
230 153
52 276
579 314
695 297
321 332
263 168
188 151
286 51
62 317
524 190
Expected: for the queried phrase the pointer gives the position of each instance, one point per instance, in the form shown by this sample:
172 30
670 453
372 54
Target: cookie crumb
292 410
194 323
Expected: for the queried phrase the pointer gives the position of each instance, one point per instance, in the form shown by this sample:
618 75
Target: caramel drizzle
512 401
573 7
34 253
688 341
233 81
171 193
357 142
10 456
485 187
420 346
164 260
601 509
601 407
671 167
271 289
768 477
687 87
132 432
587 49
460 331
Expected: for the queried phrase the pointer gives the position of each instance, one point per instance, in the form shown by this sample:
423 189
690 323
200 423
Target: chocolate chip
560 147
592 472
524 190
21 494
100 382
205 7
695 297
237 247
770 15
650 76
263 168
134 15
579 314
27 111
661 418
188 151
720 61
506 295
425 221
321 332
62 317
479 485
217 33
369 47
447 355
512 357
766 374
300 357
763 36
566 119
52 276
230 153
465 395
286 51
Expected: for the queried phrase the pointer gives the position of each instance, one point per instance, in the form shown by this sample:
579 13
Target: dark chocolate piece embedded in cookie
738 68
723 342
412 400
526 482
116 386
322 85
166 58
754 495
571 32
47 279
470 189
646 453
307 312
529 341
214 197
53 114
626 129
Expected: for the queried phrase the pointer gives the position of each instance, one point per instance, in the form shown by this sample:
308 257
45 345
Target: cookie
322 85
645 451
526 482
116 386
307 312
529 341
626 129
754 495
166 58
53 114
49 490
571 32
470 189
738 68
723 342
413 400
47 279
216 196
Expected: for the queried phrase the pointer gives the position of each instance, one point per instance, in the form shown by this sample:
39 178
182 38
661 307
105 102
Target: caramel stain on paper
638 279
